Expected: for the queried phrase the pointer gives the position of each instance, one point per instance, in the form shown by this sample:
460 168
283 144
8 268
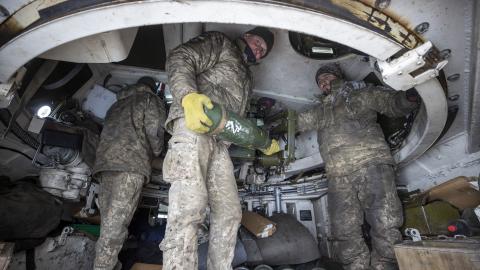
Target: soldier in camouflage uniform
359 166
132 136
198 166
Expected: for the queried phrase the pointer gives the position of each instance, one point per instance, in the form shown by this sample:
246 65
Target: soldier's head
150 82
259 41
325 75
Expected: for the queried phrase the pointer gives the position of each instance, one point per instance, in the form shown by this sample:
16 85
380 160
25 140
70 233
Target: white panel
112 46
98 101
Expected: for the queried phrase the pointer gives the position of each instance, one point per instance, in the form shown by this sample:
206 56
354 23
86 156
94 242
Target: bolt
4 11
453 77
400 72
382 4
453 98
446 53
422 28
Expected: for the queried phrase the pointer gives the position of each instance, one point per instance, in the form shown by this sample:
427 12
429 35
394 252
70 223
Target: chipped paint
23 18
381 21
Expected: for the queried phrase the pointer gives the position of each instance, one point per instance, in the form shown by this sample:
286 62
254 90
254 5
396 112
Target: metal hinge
412 68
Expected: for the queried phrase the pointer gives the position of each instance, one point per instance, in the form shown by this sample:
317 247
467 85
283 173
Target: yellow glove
272 149
195 118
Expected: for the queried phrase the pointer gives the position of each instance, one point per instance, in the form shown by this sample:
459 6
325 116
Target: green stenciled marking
238 130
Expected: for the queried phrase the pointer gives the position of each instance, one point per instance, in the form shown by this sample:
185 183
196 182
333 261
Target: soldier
207 68
359 165
132 136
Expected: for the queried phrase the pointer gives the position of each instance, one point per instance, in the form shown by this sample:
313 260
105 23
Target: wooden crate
6 253
439 255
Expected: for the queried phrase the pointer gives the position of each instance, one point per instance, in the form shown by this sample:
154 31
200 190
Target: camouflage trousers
367 194
201 174
118 198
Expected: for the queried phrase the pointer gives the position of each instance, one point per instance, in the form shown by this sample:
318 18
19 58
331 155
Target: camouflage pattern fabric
198 166
348 134
200 172
210 64
132 136
133 132
118 198
370 192
359 166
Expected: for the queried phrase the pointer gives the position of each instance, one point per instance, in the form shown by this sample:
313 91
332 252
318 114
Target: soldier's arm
188 60
154 123
386 101
311 119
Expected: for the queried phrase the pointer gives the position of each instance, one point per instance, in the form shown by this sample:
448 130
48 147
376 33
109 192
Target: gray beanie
333 69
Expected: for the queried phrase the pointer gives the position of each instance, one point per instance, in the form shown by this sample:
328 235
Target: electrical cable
19 132
16 151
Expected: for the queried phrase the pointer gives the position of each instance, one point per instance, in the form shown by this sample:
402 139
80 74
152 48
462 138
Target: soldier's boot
383 212
118 198
346 218
225 209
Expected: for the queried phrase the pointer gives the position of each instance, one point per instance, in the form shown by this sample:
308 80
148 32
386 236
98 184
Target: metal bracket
8 89
414 234
89 208
412 68
292 128
60 240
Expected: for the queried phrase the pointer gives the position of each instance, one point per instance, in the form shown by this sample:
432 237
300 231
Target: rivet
453 98
4 12
382 4
422 28
400 72
446 53
453 77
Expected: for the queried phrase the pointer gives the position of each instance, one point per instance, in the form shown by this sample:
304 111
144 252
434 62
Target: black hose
17 130
16 151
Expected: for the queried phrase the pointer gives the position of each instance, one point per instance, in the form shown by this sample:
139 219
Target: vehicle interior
62 63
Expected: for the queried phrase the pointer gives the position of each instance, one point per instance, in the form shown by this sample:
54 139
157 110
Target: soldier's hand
272 149
195 118
412 95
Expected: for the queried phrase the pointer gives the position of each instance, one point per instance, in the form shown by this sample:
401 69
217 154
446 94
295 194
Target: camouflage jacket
348 134
133 132
210 64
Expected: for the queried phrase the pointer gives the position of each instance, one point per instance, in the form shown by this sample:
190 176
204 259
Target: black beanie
265 34
333 69
148 81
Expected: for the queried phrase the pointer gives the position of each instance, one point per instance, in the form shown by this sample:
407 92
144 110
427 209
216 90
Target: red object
452 228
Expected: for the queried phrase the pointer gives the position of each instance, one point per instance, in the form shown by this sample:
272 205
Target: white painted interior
131 14
284 74
107 47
